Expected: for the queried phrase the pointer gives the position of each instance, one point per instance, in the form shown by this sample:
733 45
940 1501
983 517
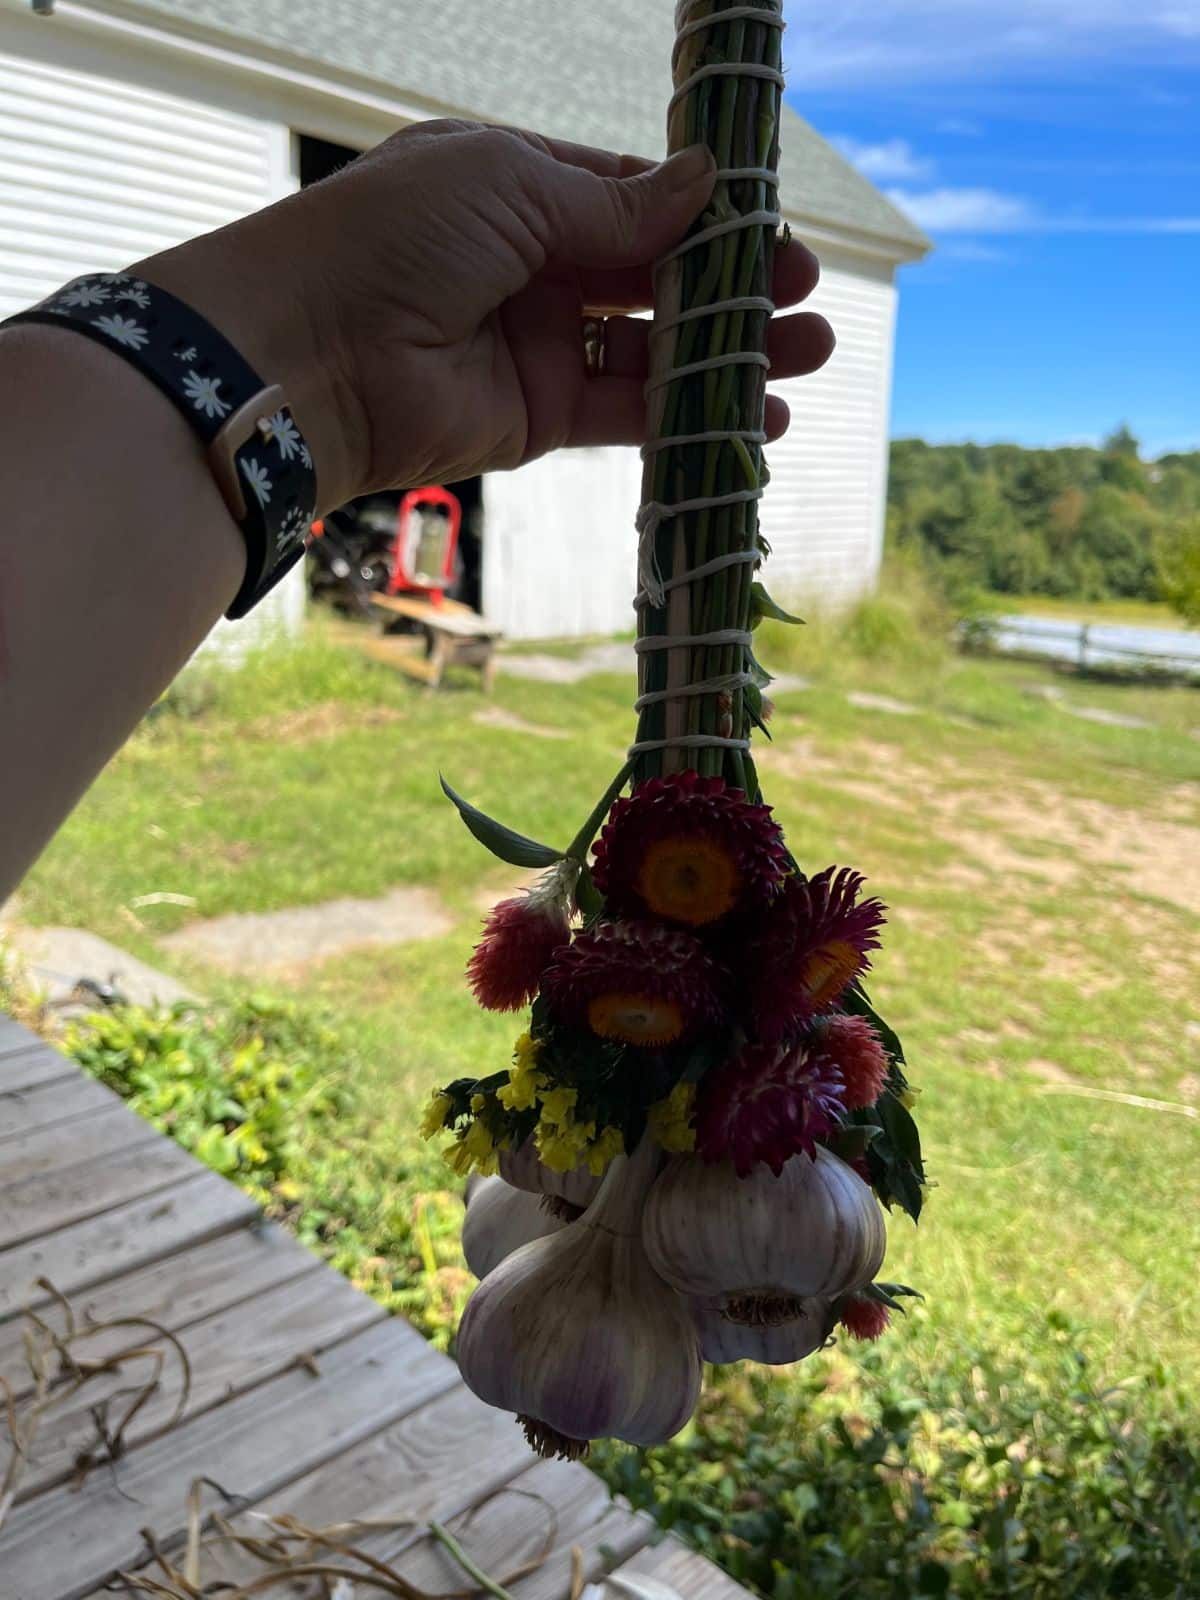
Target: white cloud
965 210
894 161
930 41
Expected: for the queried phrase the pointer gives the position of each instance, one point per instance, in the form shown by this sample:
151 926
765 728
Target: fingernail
686 167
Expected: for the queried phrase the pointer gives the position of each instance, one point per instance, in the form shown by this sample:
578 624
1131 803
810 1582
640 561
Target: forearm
117 555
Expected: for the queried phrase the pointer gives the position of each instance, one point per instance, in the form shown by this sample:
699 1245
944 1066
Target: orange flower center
689 880
635 1018
829 969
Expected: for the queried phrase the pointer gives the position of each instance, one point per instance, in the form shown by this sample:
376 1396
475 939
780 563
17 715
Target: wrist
278 322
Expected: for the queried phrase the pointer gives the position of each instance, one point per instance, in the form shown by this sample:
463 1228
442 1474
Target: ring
594 337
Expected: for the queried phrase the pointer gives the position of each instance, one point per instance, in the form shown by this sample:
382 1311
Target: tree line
1077 523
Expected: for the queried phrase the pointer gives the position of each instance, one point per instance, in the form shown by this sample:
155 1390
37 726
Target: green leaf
587 897
762 606
856 1001
512 847
853 1140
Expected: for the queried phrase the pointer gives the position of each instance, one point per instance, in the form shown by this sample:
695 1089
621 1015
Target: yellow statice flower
474 1151
908 1098
604 1150
669 1120
558 1105
524 1081
561 1147
436 1112
477 1103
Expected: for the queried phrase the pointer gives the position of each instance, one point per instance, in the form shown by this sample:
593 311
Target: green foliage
991 1474
256 1090
1074 522
1178 560
232 1086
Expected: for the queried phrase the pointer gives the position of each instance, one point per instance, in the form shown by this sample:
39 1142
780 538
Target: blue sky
1052 150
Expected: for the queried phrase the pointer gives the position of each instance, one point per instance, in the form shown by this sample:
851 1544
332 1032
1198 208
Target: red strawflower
519 939
688 849
857 1050
767 1104
641 982
812 940
864 1318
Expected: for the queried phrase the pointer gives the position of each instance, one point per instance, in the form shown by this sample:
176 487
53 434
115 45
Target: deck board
230 1353
377 1426
67 1195
49 1105
33 1063
62 1545
184 1289
128 1236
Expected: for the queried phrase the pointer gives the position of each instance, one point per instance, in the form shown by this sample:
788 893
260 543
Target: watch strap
256 451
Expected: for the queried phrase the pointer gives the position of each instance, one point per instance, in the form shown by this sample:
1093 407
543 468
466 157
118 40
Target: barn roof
595 71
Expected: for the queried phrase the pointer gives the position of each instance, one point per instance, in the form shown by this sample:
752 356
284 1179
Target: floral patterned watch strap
257 454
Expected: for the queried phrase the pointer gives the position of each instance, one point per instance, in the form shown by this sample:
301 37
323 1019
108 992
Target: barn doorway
364 526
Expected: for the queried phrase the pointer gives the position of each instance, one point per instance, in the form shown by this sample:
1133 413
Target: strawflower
768 1104
854 1047
864 1318
813 940
639 982
519 939
688 849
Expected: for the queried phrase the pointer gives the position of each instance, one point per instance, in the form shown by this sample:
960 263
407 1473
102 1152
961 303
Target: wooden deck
305 1399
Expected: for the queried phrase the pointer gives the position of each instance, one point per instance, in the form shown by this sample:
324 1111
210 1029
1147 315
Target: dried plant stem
738 118
488 1585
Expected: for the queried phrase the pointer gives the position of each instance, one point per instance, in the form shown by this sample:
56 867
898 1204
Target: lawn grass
1043 943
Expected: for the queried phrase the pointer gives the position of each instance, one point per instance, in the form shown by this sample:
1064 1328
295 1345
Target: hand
423 307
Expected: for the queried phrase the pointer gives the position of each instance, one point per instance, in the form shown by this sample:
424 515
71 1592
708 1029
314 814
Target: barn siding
559 548
824 509
96 172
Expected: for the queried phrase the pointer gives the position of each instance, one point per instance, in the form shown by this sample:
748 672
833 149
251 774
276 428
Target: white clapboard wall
824 509
97 171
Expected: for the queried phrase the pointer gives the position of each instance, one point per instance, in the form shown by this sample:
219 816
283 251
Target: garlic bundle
723 1341
523 1169
763 1245
500 1219
578 1336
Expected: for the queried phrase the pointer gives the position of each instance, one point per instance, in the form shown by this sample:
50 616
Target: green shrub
986 1476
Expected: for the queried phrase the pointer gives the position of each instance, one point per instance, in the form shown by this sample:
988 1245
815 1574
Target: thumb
619 222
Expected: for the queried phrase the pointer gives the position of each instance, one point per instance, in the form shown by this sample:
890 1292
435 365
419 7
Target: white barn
129 125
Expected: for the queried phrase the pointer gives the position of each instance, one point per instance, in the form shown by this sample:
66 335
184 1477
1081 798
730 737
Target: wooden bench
456 636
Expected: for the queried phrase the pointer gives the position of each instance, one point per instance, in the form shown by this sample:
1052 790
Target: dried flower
864 1318
436 1114
639 982
519 939
812 941
856 1052
688 849
521 1091
768 1104
670 1121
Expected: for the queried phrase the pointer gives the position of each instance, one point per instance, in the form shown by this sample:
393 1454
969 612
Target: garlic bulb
723 1341
500 1219
524 1170
577 1335
762 1245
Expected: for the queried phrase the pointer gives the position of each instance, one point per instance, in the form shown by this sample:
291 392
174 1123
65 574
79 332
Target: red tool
426 543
